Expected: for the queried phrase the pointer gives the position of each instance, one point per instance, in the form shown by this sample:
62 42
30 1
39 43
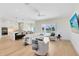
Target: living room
49 24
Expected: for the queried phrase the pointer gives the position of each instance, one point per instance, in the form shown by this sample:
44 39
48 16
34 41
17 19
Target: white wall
75 41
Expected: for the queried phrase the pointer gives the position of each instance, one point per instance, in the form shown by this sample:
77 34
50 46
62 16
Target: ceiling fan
35 10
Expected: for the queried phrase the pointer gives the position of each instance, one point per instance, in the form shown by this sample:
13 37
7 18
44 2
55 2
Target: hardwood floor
9 47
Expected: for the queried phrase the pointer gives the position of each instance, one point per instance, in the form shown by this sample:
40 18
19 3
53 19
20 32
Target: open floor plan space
39 29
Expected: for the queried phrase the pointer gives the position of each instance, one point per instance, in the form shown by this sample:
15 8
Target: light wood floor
9 47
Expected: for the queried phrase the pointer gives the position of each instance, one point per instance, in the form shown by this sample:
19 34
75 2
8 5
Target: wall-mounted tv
4 30
74 22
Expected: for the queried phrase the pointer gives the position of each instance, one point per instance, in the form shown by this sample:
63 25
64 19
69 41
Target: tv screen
74 23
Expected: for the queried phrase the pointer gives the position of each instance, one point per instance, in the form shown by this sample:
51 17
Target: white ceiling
21 11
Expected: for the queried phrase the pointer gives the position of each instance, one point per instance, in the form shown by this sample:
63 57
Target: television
74 22
4 30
